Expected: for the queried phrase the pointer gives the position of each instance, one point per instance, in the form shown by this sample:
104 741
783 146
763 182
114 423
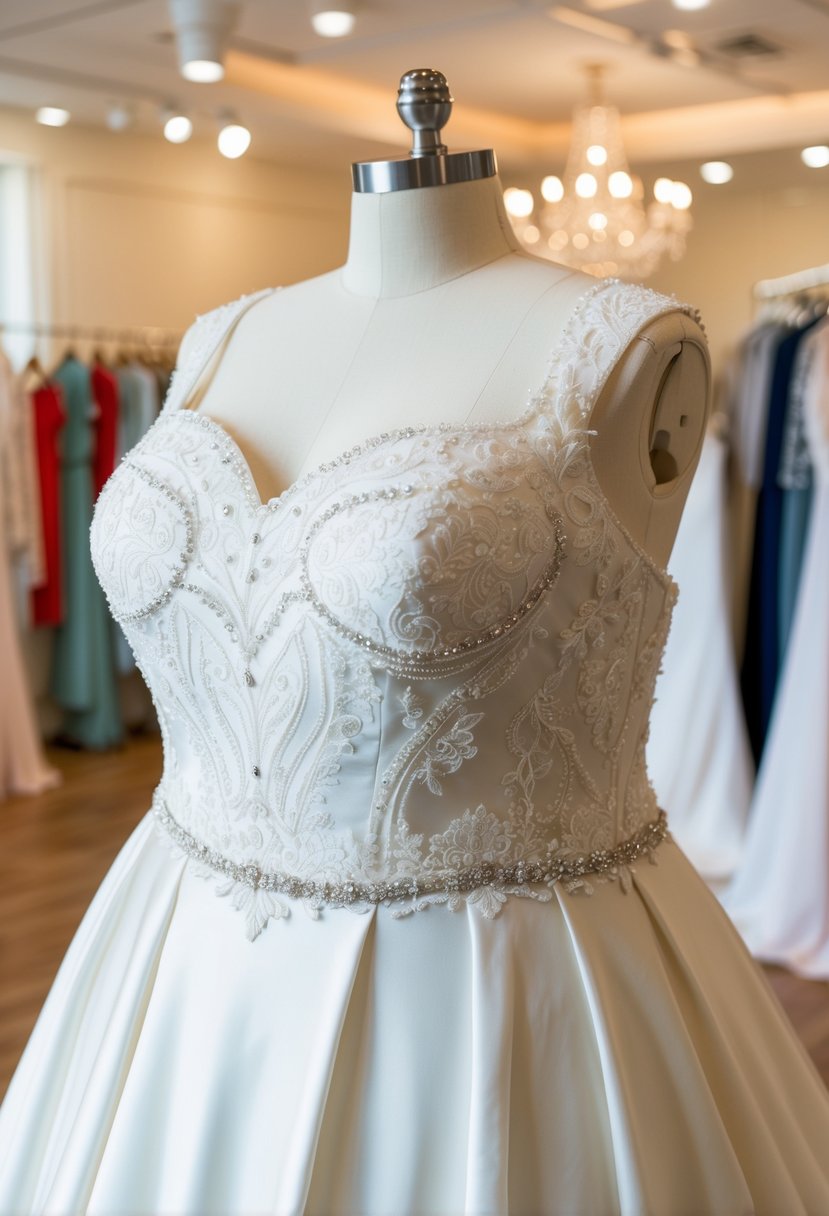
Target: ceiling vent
749 46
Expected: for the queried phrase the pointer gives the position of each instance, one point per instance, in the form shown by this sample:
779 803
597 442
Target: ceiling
516 68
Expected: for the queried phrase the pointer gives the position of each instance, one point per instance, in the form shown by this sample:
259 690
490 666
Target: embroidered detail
282 639
488 881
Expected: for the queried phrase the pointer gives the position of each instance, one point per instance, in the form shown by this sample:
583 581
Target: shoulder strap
604 322
208 333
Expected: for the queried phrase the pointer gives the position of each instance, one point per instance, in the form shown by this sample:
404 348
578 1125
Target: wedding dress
404 708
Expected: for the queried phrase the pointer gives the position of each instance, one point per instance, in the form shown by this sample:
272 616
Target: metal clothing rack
791 284
150 335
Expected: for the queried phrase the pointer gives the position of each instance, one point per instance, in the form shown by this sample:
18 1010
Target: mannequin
437 316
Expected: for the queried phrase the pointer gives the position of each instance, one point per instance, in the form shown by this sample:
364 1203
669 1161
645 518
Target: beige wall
146 233
738 238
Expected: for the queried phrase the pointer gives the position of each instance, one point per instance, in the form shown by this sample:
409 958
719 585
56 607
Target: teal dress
83 675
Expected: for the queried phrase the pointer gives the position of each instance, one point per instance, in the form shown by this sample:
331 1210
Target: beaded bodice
422 674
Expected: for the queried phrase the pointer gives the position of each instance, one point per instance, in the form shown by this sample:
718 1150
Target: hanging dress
49 420
83 675
391 939
779 898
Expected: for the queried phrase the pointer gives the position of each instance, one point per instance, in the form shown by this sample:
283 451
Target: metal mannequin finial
424 103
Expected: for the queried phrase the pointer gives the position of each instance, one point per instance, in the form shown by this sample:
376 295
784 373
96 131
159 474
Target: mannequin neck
407 241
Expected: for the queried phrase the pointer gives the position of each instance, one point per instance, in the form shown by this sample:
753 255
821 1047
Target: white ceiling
516 68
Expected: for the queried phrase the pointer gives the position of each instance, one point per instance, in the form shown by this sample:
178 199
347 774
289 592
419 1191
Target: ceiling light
52 116
816 157
596 219
203 28
332 18
716 172
234 139
120 116
690 6
177 126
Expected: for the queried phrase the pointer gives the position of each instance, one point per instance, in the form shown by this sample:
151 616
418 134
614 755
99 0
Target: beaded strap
556 867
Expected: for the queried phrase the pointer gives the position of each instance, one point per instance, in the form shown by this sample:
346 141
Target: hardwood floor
56 848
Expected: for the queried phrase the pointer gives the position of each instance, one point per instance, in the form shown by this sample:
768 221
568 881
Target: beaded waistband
553 869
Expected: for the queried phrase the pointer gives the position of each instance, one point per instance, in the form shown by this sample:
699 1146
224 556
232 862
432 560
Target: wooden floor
56 848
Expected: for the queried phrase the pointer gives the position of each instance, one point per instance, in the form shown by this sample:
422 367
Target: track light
234 139
177 126
332 18
203 28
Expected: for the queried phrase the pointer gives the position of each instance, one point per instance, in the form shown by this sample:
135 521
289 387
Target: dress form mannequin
437 316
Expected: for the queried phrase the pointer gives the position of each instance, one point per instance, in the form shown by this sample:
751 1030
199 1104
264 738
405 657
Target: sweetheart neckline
274 505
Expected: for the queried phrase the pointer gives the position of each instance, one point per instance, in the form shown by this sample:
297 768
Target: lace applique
282 641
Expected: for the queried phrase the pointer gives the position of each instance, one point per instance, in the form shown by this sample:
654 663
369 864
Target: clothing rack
791 284
151 335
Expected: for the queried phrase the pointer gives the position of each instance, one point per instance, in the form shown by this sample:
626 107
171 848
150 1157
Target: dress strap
605 321
208 334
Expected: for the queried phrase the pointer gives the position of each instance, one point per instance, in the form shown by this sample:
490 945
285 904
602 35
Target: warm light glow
597 154
586 185
597 220
581 240
558 239
234 140
552 189
52 116
202 71
716 172
626 238
178 129
620 184
663 190
681 196
531 234
816 157
333 23
518 202
690 6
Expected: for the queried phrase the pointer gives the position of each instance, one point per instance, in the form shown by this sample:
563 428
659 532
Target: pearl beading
180 569
554 868
420 664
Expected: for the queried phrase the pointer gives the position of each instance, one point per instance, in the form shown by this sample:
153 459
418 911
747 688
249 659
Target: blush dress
404 930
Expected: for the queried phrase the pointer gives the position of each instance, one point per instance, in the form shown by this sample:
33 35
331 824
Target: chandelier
596 219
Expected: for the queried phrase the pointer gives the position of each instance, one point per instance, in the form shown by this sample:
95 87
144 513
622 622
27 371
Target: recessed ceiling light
716 172
53 116
203 71
333 19
816 157
690 6
120 116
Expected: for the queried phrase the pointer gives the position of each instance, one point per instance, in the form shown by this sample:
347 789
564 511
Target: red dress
105 394
50 416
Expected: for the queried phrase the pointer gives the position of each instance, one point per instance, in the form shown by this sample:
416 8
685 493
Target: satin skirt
613 1053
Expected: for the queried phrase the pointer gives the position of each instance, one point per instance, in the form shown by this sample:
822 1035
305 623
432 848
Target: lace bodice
422 674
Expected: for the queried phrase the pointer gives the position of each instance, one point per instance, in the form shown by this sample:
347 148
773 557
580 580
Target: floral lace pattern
432 656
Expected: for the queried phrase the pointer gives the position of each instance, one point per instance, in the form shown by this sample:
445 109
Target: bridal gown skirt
618 1053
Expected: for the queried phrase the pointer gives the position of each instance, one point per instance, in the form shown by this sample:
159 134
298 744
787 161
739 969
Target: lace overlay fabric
430 659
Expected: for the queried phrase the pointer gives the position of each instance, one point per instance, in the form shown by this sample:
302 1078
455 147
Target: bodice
422 674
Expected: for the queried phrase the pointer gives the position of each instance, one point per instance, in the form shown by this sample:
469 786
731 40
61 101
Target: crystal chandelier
596 220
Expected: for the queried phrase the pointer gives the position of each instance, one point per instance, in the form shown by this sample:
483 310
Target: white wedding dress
698 753
391 939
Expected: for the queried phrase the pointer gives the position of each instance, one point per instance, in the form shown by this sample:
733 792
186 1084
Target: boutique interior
159 161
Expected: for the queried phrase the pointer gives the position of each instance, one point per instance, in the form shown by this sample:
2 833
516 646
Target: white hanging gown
779 898
698 753
391 939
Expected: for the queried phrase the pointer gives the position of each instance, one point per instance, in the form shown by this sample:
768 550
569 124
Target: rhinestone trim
410 661
553 869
